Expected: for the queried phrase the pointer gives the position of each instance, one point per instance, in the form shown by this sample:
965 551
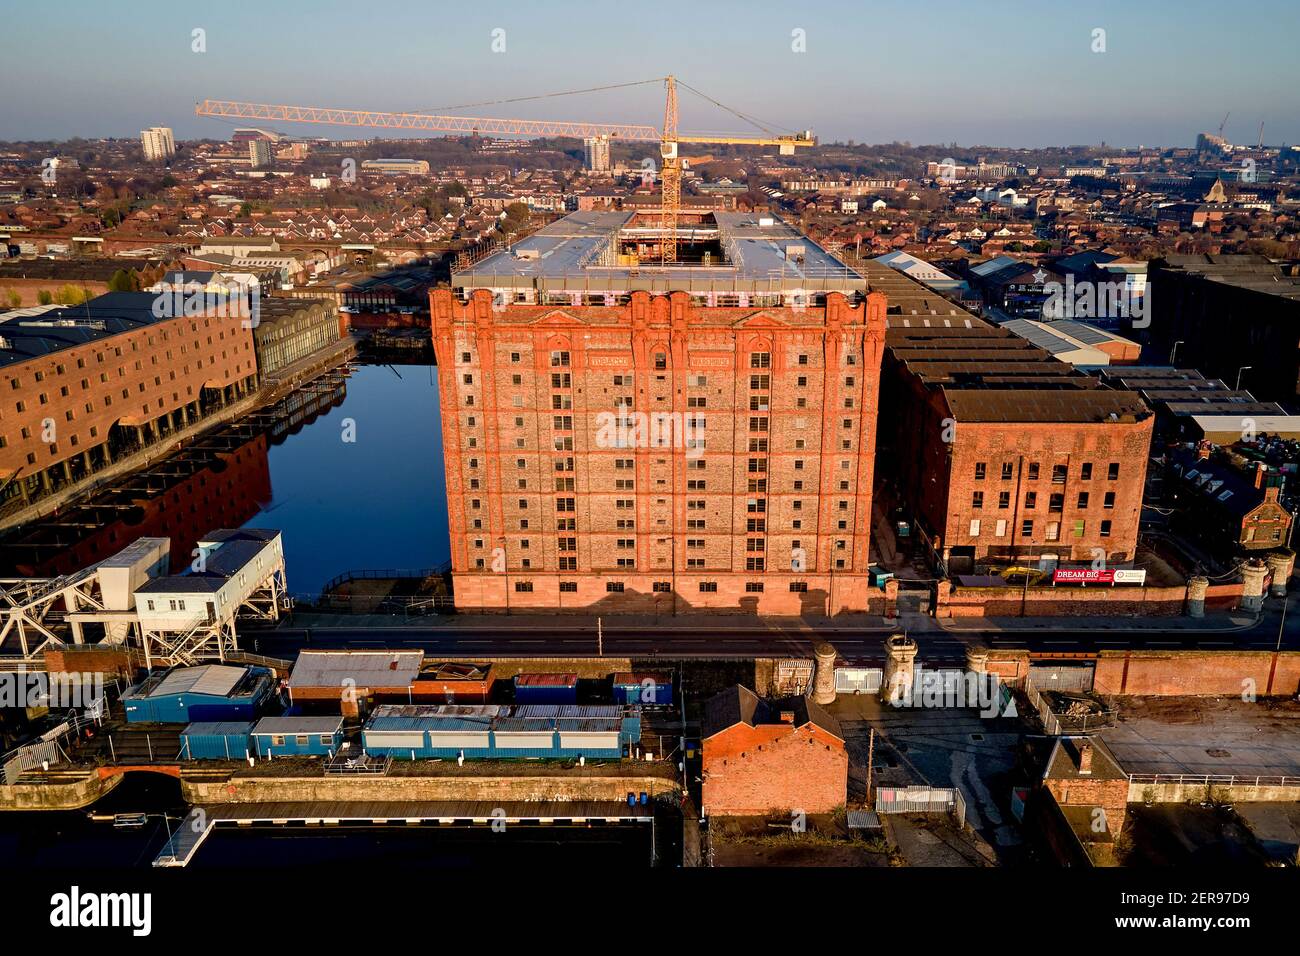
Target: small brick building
1085 801
761 755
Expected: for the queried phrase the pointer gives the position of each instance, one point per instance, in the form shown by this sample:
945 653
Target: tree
44 297
71 295
121 281
14 298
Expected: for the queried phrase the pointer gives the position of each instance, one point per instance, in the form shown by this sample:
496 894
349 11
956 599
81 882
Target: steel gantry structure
668 137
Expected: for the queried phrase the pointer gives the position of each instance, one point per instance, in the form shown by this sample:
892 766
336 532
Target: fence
1212 780
1056 725
921 800
49 748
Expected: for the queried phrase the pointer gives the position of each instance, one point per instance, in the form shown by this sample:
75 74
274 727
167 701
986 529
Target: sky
992 72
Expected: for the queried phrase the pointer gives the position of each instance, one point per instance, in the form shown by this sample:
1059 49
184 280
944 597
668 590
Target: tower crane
668 137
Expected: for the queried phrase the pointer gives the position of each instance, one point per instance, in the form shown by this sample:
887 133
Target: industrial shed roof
363 668
298 725
216 680
217 728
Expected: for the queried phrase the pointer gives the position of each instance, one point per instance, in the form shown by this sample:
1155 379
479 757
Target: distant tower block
1252 584
977 658
900 653
1281 564
824 678
1196 588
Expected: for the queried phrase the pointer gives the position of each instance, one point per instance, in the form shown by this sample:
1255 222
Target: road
855 644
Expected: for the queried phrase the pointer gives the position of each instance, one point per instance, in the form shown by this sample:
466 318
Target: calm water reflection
376 502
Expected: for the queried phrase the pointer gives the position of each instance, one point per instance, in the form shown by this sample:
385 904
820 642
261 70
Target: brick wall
88 660
750 770
1191 673
1063 601
1110 795
541 490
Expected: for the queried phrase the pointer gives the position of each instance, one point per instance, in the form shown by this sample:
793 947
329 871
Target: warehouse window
975 528
1112 471
1105 529
708 587
1083 501
662 587
1059 474
753 587
569 587
1004 500
1085 472
1078 529
977 500
1033 471
1027 528
979 470
523 587
798 587
614 587
1008 471
1109 501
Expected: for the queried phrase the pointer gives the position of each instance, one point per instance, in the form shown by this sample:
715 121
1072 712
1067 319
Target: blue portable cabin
546 689
426 732
207 693
500 733
643 689
297 736
216 740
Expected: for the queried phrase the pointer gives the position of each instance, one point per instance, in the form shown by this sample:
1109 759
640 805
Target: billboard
1099 576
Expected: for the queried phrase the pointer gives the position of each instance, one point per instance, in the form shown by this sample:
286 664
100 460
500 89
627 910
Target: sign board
1099 576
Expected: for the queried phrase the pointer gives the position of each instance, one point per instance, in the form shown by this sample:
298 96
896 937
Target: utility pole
600 639
871 751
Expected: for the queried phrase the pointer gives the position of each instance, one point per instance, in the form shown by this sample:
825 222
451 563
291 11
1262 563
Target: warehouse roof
579 252
114 313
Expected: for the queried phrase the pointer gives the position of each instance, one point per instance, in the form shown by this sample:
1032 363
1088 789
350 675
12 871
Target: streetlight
1174 351
1244 368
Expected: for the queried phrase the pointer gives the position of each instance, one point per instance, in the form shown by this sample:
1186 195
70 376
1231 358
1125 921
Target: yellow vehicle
1027 576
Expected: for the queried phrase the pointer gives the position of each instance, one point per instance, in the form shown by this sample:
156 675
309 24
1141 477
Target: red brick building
999 452
81 386
696 436
762 755
1083 803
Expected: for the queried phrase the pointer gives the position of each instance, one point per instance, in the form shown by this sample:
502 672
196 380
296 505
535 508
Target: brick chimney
1203 451
1085 758
1259 474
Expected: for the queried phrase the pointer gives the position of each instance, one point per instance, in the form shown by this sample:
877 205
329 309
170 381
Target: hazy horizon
1002 74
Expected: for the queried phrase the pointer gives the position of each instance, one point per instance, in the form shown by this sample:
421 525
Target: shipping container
216 740
643 689
546 689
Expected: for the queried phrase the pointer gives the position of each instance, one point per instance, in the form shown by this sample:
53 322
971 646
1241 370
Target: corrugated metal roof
217 680
298 725
364 668
568 710
546 680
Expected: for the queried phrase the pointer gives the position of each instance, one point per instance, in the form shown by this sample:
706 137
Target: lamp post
1244 368
1174 352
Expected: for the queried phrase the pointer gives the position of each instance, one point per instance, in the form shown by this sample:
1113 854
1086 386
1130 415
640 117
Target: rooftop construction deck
613 253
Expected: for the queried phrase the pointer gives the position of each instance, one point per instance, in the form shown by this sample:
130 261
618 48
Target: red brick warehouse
643 438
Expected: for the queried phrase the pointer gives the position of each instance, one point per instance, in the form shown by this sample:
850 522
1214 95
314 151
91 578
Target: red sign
1083 576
